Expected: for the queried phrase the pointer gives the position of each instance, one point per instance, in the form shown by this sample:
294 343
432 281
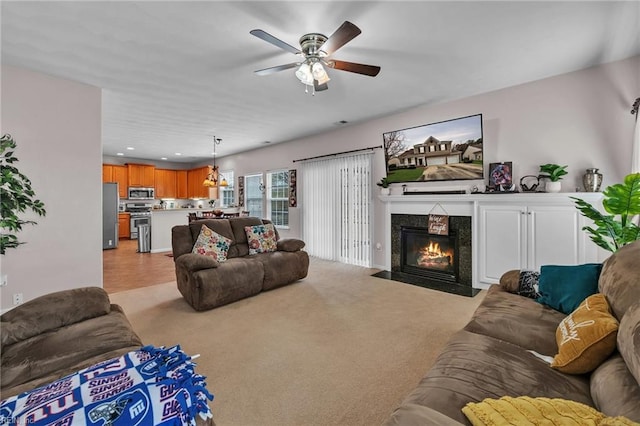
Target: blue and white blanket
150 386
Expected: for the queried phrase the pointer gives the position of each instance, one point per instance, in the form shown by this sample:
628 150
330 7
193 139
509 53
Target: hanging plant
621 199
16 196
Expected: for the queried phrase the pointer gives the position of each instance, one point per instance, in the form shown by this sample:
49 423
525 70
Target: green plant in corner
553 172
621 199
16 196
384 183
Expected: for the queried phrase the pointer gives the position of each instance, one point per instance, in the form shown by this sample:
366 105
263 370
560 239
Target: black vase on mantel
592 180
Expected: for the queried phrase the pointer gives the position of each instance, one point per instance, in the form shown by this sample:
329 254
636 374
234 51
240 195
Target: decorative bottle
592 180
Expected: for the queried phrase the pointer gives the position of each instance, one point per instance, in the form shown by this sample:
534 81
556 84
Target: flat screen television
446 150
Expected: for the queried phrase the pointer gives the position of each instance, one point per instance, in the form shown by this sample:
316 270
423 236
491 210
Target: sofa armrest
196 262
419 415
52 311
290 244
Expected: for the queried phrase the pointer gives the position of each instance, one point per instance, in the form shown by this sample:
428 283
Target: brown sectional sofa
489 358
205 283
58 334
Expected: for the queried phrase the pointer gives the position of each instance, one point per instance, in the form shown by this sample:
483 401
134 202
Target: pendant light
211 181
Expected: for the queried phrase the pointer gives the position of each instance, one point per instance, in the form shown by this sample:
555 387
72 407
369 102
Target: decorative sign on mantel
438 224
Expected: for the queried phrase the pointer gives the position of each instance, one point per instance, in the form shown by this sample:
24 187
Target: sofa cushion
586 337
34 357
614 390
564 287
283 267
261 238
52 311
526 410
619 279
518 320
629 339
239 234
473 367
210 243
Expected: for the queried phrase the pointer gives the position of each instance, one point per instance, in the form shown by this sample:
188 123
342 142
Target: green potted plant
384 184
554 173
16 196
622 203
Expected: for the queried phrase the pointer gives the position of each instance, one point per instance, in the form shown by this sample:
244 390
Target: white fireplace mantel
533 228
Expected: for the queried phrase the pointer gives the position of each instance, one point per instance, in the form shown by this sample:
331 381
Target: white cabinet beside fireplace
531 234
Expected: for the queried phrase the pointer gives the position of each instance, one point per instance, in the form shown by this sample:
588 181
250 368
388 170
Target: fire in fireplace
427 255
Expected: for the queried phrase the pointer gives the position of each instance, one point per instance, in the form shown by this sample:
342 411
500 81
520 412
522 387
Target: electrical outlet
17 299
3 280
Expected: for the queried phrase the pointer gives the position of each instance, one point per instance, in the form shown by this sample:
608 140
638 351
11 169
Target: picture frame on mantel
501 177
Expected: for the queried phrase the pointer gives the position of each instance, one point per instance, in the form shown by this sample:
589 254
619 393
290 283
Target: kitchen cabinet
141 175
165 183
182 187
123 225
527 236
195 177
116 173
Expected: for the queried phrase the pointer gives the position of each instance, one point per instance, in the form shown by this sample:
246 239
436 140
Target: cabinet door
170 184
134 175
195 178
501 240
120 175
141 175
148 176
123 225
554 236
159 183
182 188
107 173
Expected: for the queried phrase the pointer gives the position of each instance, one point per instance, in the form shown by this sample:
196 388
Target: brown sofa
58 334
205 283
489 358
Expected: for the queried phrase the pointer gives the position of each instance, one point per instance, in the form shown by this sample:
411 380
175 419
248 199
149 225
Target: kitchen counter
162 220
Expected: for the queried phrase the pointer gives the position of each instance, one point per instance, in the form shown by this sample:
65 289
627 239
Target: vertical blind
336 198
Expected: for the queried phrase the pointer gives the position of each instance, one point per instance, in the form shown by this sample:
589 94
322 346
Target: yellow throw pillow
586 337
526 411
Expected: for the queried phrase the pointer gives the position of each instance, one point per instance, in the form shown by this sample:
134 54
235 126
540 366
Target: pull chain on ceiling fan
316 49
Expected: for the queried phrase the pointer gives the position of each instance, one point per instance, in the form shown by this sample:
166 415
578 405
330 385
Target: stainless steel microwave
136 193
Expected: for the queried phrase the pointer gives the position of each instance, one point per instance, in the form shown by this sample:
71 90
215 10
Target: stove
140 214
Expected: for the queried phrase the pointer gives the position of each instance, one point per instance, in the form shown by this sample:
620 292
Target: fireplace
446 267
431 256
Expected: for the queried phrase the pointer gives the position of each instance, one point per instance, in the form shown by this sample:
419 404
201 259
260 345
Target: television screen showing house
447 150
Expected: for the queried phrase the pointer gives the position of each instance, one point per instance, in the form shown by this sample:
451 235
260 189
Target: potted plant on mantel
622 199
554 173
16 196
384 185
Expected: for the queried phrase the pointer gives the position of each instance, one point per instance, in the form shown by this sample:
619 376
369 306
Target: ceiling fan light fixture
304 74
319 73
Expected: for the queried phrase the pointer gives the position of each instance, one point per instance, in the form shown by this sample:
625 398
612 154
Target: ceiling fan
316 49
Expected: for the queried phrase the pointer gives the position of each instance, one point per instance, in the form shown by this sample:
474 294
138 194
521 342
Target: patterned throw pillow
586 337
210 243
261 238
528 284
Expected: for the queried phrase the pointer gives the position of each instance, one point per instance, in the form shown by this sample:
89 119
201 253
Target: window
227 193
278 197
253 195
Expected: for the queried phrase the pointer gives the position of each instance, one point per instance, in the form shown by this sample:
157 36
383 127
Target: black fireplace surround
457 281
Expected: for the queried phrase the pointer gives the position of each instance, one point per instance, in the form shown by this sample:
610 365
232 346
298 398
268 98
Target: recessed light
340 123
130 148
266 142
178 153
119 153
163 158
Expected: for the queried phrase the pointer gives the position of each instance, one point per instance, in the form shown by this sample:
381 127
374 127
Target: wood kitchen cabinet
141 175
118 174
123 225
182 186
165 183
195 178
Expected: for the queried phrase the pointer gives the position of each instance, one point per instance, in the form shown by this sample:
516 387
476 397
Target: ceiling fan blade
272 70
319 87
340 37
275 41
370 70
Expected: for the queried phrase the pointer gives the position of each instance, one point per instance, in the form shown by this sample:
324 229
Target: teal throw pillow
564 287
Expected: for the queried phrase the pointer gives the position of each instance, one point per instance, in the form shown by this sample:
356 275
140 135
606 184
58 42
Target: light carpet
337 348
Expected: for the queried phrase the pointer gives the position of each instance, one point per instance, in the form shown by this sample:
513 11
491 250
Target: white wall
581 119
56 124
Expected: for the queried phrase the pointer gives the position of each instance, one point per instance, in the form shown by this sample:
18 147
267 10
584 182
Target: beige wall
57 126
581 119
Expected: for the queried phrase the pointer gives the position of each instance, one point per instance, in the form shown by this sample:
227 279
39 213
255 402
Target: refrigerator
109 215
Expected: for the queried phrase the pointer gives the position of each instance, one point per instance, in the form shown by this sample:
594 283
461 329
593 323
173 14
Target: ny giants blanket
150 386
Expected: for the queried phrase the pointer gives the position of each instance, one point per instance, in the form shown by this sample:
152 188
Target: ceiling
176 74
